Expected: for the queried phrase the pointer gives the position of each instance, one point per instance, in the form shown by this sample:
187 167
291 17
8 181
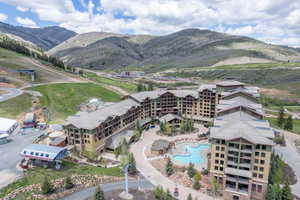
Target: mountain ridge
44 38
182 49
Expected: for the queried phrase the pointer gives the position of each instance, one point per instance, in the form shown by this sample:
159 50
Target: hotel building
241 141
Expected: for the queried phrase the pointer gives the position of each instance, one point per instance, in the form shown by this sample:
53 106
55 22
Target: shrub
47 187
68 183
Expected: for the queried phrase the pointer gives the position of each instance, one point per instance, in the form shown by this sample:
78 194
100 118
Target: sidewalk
154 176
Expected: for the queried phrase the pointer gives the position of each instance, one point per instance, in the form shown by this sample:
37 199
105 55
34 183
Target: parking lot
9 155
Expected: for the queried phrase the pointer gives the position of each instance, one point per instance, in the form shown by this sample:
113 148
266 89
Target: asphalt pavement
11 93
86 193
10 155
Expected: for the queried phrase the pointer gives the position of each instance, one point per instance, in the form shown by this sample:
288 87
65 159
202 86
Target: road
9 156
290 155
86 193
10 93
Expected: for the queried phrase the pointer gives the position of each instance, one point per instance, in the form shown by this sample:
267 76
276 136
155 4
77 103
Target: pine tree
158 193
132 164
190 197
168 195
286 193
289 123
98 194
124 147
68 183
169 167
271 193
280 118
47 187
215 186
191 170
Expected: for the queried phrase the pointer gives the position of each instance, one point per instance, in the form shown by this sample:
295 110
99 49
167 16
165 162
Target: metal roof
6 124
254 131
43 152
160 144
91 120
169 117
230 83
141 96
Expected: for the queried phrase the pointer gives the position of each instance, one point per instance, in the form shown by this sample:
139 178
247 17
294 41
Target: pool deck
152 174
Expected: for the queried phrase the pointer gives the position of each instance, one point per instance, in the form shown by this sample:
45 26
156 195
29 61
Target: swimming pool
193 155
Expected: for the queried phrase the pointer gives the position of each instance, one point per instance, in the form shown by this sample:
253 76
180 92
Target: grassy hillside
126 85
183 49
14 107
11 61
63 99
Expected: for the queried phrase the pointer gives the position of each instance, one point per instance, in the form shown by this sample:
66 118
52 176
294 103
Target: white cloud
3 17
26 22
22 9
272 20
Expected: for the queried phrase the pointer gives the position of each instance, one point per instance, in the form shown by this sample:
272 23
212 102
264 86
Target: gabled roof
141 96
169 117
229 83
44 152
210 87
254 131
90 120
241 92
239 102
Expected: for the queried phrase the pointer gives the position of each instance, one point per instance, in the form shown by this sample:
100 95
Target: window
222 148
262 162
217 148
261 176
256 153
259 188
31 153
264 147
221 168
217 155
216 167
42 154
222 162
24 152
261 169
222 155
263 154
217 161
36 153
255 175
257 146
255 168
235 197
47 155
256 160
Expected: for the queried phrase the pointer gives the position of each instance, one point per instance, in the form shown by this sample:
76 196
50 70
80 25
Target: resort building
241 144
91 130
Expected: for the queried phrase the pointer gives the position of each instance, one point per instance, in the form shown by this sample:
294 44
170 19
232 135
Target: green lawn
63 99
296 128
37 175
128 86
14 107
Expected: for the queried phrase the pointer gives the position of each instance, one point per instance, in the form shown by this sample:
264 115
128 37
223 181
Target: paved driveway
11 93
9 156
86 193
153 175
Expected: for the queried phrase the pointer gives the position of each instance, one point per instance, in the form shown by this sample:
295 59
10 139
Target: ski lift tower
125 194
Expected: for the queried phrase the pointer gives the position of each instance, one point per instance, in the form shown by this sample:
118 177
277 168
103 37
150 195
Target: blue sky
272 21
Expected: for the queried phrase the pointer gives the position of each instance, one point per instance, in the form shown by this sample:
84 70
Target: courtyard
145 160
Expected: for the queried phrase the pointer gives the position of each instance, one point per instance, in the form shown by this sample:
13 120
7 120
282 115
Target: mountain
186 48
85 39
45 38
